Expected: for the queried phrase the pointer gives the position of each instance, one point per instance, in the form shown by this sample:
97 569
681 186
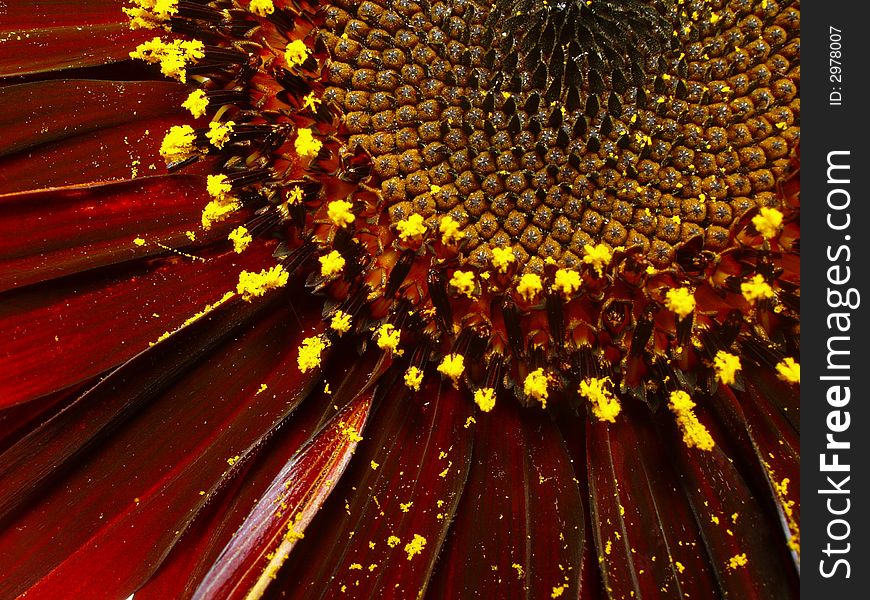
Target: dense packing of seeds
564 198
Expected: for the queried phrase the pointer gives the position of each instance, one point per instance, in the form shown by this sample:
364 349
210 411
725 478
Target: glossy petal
183 416
519 531
48 234
648 542
404 485
115 315
49 35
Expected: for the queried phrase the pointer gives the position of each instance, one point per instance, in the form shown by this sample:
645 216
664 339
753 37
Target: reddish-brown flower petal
218 524
44 112
647 541
51 35
743 538
113 315
49 234
380 533
251 560
143 451
519 530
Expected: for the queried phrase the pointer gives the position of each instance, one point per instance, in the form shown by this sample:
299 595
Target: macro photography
413 299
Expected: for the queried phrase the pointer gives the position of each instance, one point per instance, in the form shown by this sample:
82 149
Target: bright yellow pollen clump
178 143
219 133
567 281
452 366
411 227
449 229
738 560
240 239
306 144
196 103
310 351
331 264
339 213
485 399
151 14
756 289
218 186
388 339
413 378
529 286
535 386
726 366
340 322
262 8
415 546
681 301
605 406
296 53
173 57
768 222
218 210
463 282
252 285
310 101
502 258
695 435
598 256
789 370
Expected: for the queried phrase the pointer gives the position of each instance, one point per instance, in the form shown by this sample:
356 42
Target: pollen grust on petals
241 239
262 8
756 289
604 404
340 322
196 103
331 264
726 366
310 352
680 301
173 57
535 386
789 370
695 435
339 212
768 222
178 144
253 285
306 144
484 398
413 378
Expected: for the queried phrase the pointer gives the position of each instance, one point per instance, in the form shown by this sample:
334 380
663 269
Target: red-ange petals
380 533
38 36
59 334
519 530
48 234
145 450
647 541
